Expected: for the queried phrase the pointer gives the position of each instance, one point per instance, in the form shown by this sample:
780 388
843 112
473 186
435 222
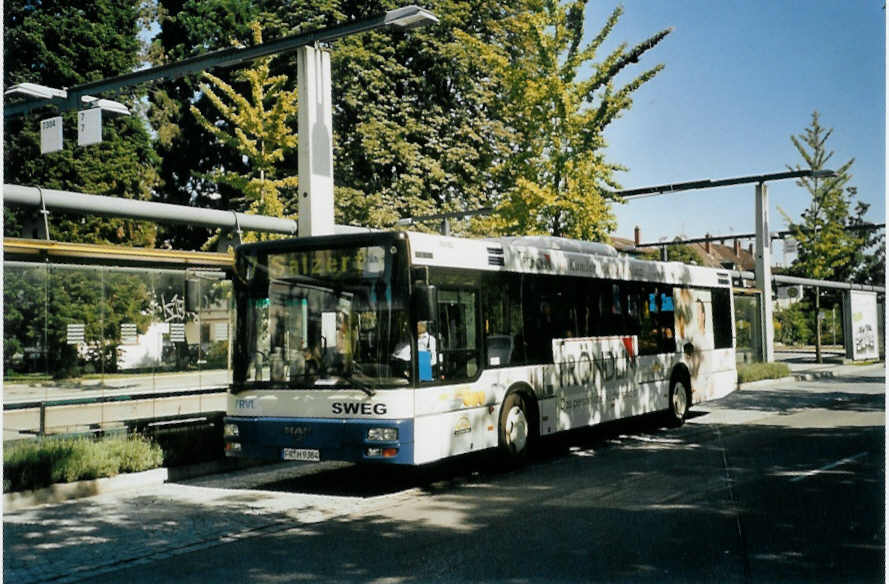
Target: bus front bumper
315 439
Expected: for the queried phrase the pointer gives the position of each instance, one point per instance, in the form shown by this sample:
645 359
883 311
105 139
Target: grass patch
869 362
33 464
26 377
748 372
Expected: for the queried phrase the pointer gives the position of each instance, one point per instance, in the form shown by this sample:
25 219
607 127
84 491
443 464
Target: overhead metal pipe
145 210
793 280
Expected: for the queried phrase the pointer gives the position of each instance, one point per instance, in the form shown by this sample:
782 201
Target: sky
740 78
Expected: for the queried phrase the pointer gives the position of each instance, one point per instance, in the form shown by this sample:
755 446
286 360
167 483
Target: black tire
516 430
680 401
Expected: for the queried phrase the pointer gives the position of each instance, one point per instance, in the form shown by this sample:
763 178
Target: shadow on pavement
622 502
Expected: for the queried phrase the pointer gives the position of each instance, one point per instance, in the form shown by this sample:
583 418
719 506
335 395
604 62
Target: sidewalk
90 538
802 361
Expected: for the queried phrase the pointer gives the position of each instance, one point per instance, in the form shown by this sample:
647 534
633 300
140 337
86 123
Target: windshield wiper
363 386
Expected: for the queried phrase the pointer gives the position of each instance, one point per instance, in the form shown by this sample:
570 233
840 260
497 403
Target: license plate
301 454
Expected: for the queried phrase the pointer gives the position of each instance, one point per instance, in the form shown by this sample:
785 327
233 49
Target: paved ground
773 483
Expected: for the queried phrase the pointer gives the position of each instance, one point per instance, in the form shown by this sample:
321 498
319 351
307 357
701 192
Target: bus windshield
322 318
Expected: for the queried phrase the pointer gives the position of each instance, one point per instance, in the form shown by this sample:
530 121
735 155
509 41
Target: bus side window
632 293
547 314
666 318
649 310
722 318
458 346
502 309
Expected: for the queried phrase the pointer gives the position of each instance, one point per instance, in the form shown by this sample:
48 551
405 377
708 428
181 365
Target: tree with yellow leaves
558 101
260 128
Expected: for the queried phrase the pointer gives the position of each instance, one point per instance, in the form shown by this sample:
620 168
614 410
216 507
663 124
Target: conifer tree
827 249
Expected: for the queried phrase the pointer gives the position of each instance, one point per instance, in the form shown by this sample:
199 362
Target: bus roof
557 256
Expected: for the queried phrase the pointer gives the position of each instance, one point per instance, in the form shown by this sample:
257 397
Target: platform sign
129 333
177 332
89 126
860 324
220 331
76 334
51 135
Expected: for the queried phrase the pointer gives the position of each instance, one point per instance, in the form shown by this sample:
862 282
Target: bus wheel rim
516 429
679 400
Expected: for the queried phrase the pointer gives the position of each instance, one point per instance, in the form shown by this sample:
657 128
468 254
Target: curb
788 379
765 382
61 492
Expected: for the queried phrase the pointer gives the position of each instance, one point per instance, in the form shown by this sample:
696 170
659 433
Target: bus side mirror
425 302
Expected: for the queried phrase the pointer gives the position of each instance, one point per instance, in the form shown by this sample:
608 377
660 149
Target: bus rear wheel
679 401
515 429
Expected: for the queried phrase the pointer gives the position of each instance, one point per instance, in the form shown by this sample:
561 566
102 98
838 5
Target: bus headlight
382 434
231 431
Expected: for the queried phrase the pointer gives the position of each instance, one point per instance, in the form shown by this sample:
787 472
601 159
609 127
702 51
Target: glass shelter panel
25 324
748 330
93 331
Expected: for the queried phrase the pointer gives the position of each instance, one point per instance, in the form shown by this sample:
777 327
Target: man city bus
410 348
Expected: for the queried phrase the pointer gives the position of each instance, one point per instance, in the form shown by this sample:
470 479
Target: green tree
792 324
497 105
827 250
417 123
188 28
558 100
61 44
872 267
414 125
677 252
260 128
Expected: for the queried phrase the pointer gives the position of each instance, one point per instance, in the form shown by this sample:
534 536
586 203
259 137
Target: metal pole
833 323
780 279
764 270
818 358
315 162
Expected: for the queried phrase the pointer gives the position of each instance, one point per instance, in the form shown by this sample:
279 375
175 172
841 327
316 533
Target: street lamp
409 17
89 124
36 91
405 18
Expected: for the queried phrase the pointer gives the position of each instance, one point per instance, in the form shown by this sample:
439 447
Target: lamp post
315 163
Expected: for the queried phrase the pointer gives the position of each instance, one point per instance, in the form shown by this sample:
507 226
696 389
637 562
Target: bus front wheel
515 429
679 401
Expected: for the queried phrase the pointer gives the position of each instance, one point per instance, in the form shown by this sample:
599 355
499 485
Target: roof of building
719 256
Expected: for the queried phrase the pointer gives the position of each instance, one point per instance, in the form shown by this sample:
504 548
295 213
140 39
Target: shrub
756 371
793 325
37 463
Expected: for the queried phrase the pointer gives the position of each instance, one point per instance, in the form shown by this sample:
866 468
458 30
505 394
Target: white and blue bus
410 348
